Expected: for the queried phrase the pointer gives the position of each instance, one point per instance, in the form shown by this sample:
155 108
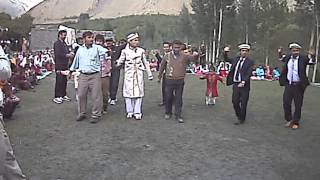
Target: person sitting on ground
11 101
269 73
19 80
276 74
260 73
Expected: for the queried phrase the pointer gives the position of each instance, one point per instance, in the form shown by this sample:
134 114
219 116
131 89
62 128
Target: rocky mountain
55 11
17 7
60 10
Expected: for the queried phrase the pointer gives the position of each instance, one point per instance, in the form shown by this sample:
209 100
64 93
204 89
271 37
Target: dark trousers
114 83
240 97
164 89
61 86
295 93
174 90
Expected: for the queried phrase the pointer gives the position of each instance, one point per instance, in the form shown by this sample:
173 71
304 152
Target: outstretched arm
281 54
193 58
311 57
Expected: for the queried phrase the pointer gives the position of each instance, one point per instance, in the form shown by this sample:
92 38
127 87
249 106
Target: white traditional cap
294 45
132 36
244 46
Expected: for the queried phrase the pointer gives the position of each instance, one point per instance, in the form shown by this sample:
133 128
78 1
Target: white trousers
133 105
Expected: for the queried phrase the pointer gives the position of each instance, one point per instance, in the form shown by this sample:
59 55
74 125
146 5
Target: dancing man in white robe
135 63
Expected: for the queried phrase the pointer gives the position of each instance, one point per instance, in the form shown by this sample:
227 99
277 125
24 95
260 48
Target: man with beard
295 80
62 55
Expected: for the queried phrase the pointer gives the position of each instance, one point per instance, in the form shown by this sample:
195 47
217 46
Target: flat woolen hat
244 46
132 36
294 45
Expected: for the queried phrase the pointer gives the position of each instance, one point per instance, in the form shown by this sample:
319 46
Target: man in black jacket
239 77
295 80
61 55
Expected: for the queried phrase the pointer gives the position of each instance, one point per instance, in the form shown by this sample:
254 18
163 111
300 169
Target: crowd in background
27 69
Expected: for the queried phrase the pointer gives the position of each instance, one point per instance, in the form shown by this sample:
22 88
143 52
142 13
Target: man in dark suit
295 80
114 52
239 77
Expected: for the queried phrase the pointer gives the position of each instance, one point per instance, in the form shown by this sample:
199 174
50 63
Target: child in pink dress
212 86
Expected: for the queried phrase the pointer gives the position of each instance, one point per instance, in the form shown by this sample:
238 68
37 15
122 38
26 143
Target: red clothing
212 82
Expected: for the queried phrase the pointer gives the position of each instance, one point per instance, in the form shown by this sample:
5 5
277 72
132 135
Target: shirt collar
242 58
87 46
174 56
294 58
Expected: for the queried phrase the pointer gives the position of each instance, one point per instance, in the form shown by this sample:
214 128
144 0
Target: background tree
185 27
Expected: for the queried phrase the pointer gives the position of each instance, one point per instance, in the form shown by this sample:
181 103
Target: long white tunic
135 63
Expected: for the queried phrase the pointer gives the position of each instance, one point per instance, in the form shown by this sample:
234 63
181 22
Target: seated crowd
27 69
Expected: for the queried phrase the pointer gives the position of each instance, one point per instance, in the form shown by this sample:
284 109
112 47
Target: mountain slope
53 11
17 7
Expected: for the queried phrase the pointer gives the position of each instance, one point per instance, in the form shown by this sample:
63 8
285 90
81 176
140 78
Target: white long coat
135 63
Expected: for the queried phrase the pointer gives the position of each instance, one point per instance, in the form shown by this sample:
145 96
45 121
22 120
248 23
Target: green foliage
153 29
185 27
18 27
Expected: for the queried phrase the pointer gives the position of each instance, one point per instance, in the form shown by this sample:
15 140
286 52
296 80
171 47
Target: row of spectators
27 69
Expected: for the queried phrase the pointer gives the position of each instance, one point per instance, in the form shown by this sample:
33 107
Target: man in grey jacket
9 167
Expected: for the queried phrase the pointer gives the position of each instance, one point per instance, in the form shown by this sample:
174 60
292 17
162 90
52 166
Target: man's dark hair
178 42
99 37
79 39
109 39
86 34
183 47
167 42
62 31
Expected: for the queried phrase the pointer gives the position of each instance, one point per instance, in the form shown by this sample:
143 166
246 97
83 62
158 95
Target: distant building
43 36
106 34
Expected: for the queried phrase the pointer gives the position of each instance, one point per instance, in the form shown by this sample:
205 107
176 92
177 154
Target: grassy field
50 144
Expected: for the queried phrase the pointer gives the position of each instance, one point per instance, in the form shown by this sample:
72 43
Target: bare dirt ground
51 145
